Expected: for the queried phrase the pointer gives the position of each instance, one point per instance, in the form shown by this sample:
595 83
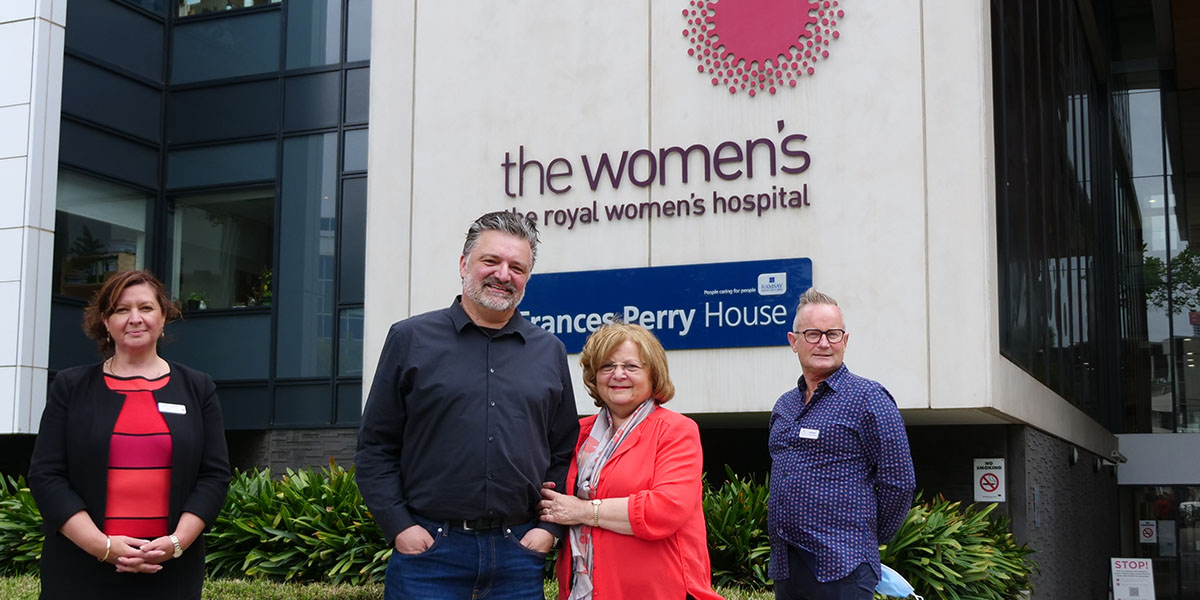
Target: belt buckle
466 525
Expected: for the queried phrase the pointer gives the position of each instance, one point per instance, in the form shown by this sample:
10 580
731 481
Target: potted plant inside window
196 301
263 289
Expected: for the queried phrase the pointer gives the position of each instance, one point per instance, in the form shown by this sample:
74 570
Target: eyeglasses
813 336
631 368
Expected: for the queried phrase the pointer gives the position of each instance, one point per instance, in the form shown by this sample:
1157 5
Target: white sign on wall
989 480
1148 531
1132 579
1166 539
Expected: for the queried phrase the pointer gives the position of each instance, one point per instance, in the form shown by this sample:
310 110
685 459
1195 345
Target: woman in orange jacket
633 503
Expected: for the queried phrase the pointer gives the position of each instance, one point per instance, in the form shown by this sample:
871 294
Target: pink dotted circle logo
760 45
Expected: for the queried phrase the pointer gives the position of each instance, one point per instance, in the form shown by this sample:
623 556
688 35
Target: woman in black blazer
130 464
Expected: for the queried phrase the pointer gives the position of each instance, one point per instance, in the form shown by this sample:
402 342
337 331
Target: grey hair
812 296
508 222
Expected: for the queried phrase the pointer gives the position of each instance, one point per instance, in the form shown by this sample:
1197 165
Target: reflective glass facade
1098 284
224 148
1098 168
1070 310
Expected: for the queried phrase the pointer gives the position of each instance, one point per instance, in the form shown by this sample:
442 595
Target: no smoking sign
1148 531
989 480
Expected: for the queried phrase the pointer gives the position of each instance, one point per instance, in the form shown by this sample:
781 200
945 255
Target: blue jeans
462 565
801 584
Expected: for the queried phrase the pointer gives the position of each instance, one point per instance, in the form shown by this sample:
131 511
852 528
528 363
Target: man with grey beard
471 410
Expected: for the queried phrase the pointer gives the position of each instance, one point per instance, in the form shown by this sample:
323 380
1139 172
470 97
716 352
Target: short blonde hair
812 297
605 340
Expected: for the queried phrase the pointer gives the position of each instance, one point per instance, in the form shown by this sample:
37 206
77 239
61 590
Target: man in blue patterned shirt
841 472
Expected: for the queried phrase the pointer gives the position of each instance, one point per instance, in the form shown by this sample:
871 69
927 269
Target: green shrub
20 528
312 526
738 546
308 526
947 552
944 550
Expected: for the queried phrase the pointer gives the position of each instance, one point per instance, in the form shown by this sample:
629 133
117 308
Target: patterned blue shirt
841 474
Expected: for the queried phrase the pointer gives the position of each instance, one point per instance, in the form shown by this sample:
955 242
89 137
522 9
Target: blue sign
716 305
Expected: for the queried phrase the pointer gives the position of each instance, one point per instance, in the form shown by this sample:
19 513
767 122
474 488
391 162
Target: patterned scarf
593 453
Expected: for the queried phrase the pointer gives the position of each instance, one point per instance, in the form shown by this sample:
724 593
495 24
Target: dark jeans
461 564
801 584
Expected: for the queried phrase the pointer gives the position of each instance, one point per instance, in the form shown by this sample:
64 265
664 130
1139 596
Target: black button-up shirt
464 422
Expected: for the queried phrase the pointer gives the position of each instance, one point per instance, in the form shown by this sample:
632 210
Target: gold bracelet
107 547
596 512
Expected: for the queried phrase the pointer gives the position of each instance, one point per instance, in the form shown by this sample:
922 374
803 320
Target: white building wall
900 226
1159 459
389 223
31 44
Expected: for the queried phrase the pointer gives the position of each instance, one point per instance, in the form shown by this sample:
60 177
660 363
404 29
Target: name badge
809 434
176 409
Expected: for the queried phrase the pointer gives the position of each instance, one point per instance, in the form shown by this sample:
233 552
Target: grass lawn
26 588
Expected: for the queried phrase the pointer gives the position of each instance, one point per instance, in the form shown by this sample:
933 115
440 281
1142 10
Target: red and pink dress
139 462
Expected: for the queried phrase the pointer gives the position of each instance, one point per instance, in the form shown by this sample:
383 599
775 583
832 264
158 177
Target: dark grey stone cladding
280 449
1070 514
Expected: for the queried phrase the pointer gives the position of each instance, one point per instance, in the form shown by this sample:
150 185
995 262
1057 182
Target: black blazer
69 472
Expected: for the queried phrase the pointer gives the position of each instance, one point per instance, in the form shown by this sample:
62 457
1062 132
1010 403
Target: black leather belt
482 524
478 524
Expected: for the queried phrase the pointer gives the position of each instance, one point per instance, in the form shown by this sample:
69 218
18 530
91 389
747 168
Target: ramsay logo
772 284
760 45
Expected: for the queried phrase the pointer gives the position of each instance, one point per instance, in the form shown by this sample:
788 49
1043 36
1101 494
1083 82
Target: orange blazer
658 468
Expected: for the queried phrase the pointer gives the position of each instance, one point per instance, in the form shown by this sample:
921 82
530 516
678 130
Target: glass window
314 33
350 342
191 8
244 407
155 6
356 150
358 30
220 48
307 244
100 228
226 346
349 403
117 35
311 101
1047 226
230 111
213 165
95 150
1145 115
103 97
352 250
358 95
69 346
1174 514
221 248
303 404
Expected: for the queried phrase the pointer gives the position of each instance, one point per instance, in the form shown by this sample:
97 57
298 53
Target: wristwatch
178 548
595 512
